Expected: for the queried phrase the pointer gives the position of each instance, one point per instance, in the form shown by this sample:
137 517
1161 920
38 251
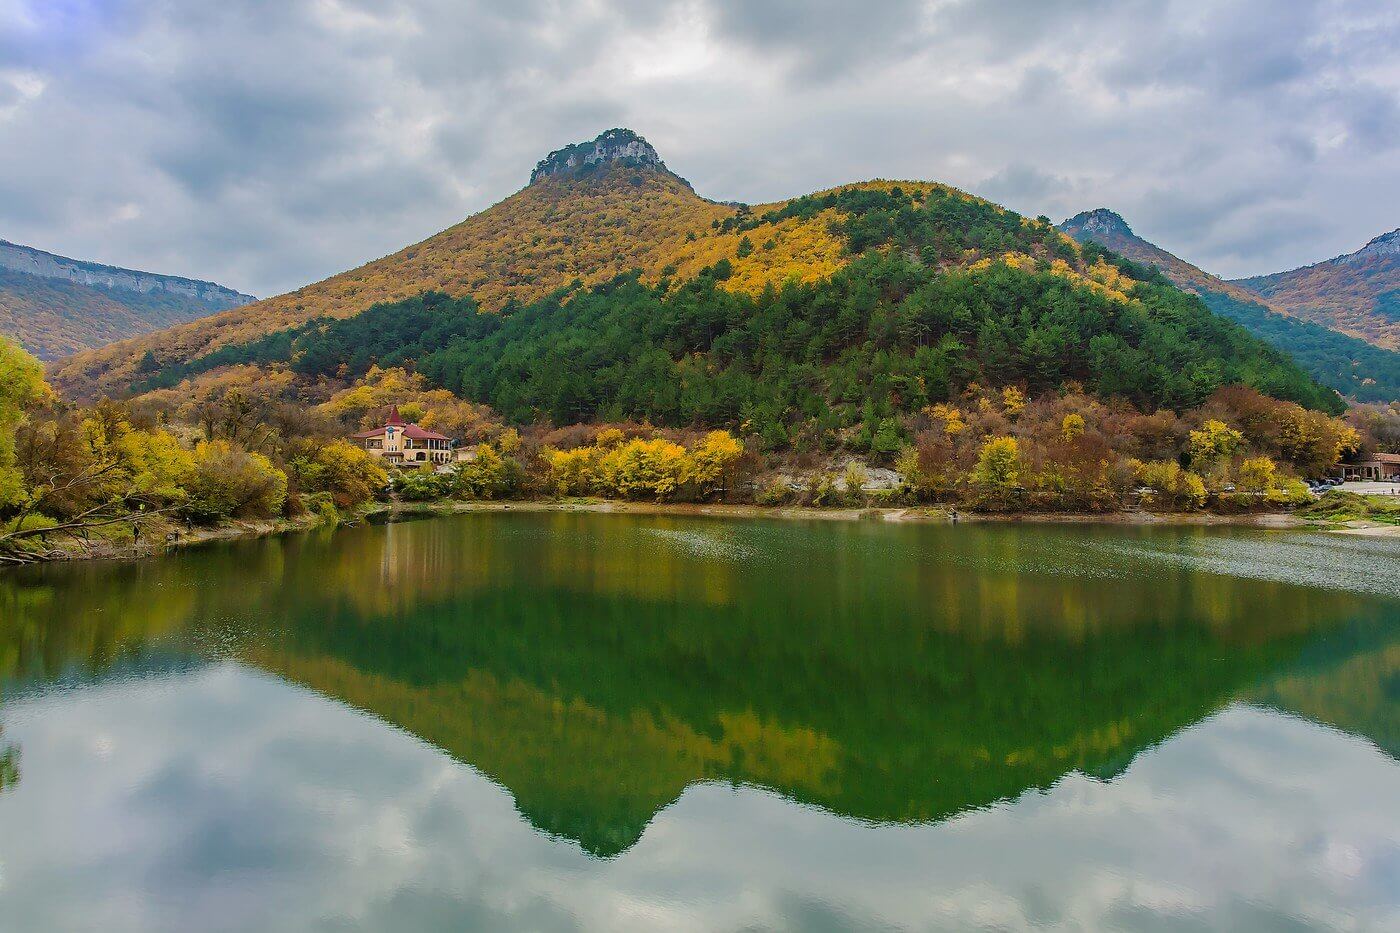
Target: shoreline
920 514
390 512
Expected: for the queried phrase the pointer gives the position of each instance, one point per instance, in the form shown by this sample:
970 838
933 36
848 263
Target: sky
266 144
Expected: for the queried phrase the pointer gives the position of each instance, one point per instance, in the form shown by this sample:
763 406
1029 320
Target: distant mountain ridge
1110 230
1350 365
46 265
1357 293
54 305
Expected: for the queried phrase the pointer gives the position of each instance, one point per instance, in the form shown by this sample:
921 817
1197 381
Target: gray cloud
268 143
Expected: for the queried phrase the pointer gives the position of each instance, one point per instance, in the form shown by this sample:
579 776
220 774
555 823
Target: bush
998 472
489 475
230 482
775 492
1171 486
423 485
822 491
348 473
1340 506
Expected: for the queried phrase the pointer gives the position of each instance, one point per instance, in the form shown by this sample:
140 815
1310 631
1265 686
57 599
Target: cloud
1019 184
269 143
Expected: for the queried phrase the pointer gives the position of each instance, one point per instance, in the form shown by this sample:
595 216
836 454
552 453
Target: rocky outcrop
36 262
1385 245
616 146
1096 225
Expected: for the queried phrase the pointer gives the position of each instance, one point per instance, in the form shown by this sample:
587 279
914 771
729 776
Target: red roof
394 417
411 431
423 434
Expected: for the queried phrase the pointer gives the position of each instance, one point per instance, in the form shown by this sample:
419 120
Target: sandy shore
1368 530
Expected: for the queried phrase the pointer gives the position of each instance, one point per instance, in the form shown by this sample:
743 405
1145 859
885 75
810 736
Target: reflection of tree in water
9 764
596 667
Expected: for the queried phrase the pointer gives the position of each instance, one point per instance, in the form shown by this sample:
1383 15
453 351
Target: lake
611 722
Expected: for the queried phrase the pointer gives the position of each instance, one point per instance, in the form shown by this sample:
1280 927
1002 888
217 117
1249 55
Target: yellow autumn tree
1168 485
1213 442
644 468
709 462
21 385
998 471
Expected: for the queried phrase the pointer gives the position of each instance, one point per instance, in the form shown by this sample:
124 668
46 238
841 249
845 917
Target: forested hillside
907 324
56 306
1357 369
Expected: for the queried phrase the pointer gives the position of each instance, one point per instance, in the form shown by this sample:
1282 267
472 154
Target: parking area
1372 489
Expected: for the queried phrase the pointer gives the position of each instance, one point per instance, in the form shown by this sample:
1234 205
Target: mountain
1111 231
56 306
611 289
1358 294
615 208
1350 365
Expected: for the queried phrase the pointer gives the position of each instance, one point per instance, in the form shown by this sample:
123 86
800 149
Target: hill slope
616 291
1357 294
1351 366
56 306
587 222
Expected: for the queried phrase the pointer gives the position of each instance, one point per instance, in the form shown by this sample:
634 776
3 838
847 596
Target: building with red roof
1384 468
404 443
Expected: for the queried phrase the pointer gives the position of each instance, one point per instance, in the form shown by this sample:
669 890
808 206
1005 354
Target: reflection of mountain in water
1349 680
596 668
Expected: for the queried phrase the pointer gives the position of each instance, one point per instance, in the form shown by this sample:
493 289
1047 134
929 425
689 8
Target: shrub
776 491
643 468
998 472
1171 486
348 473
489 475
423 485
230 482
1341 506
823 491
854 480
1256 475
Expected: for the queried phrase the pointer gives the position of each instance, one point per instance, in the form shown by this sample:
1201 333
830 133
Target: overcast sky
268 143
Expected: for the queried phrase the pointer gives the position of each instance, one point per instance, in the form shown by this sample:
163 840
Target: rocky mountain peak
616 146
1387 244
1097 223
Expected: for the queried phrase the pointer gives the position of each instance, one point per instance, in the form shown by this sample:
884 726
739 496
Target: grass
1339 507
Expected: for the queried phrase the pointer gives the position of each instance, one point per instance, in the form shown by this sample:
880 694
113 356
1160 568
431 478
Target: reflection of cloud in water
704 544
266 806
1334 562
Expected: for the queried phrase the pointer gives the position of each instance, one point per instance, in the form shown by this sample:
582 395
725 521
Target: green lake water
575 721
